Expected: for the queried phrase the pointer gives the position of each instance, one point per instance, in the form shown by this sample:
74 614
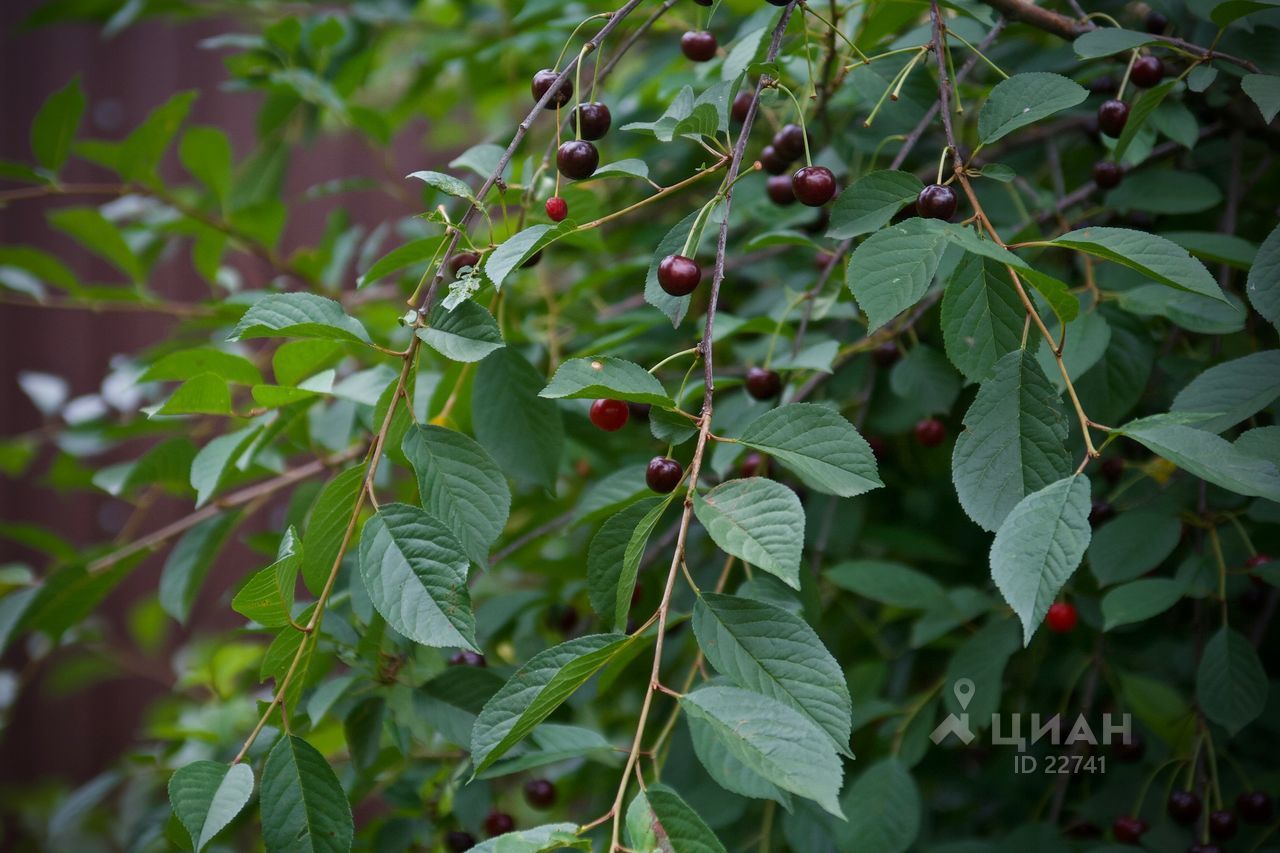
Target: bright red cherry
594 119
1061 617
557 208
698 46
1148 71
936 202
663 474
930 432
1112 116
542 82
540 793
609 415
763 384
814 185
678 275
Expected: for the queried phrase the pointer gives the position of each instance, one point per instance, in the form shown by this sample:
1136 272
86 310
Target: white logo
957 725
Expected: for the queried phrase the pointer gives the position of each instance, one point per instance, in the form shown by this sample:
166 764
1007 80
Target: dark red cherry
936 202
557 208
1128 829
698 46
577 159
1112 469
499 823
1222 825
594 120
540 793
886 354
1184 807
753 464
772 162
779 190
1112 116
1156 22
1106 174
609 415
663 474
814 185
1100 512
789 142
1259 559
763 384
542 82
463 259
741 105
678 275
458 841
467 657
1254 807
1102 85
1148 71
930 432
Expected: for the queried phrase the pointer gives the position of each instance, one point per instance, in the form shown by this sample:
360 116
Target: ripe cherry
1222 825
678 275
1102 85
930 432
594 120
532 261
1128 829
557 208
458 841
789 142
1112 469
577 159
1100 512
763 384
1112 116
698 45
753 464
542 82
879 447
499 823
1148 71
936 202
886 354
1254 807
467 657
540 793
779 189
1106 174
463 259
663 474
814 185
1259 559
741 105
609 415
1156 22
1061 617
1184 807
772 161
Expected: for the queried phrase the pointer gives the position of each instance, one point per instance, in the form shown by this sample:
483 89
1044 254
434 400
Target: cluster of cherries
1185 808
578 158
1113 114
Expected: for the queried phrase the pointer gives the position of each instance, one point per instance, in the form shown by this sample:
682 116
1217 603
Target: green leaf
1014 442
206 154
189 563
538 688
205 394
758 521
92 230
1139 600
870 202
925 378
1205 455
1265 91
327 525
1132 544
1233 10
771 739
400 258
629 168
415 570
511 254
613 558
207 795
461 485
303 805
298 315
1085 342
982 317
1235 390
819 445
1063 304
888 583
1023 99
884 809
467 333
1154 257
55 125
616 378
1264 279
1142 109
189 363
1107 41
892 269
1168 191
521 430
267 597
551 836
137 157
764 648
446 184
982 658
681 826
1231 685
1038 547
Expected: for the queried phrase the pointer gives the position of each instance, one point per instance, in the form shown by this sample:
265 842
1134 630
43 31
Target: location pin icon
963 688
